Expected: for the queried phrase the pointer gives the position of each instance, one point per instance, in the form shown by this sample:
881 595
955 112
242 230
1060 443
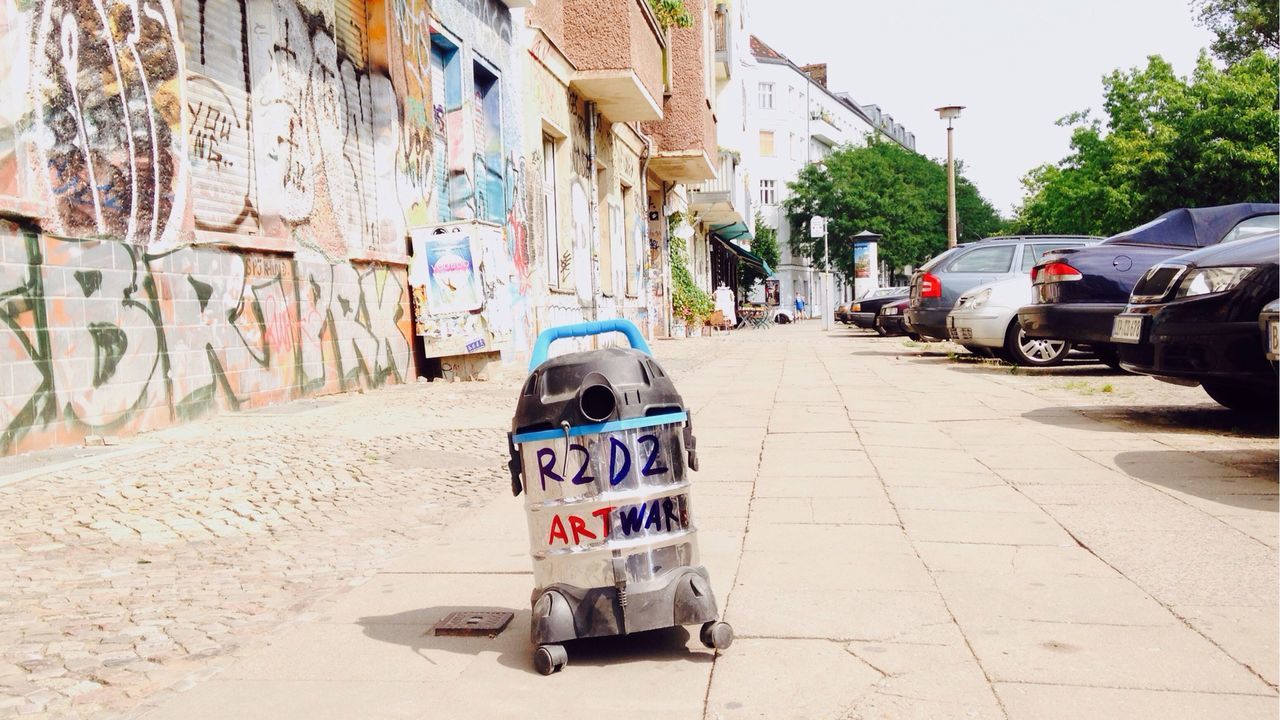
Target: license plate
1273 338
1127 329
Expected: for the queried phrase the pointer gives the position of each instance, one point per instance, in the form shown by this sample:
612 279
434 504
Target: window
490 193
446 92
766 143
1031 253
631 228
984 260
766 96
551 223
767 193
1253 227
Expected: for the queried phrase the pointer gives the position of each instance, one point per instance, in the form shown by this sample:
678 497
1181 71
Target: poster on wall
444 264
771 291
862 259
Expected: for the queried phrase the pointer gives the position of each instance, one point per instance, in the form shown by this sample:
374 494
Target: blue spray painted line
632 424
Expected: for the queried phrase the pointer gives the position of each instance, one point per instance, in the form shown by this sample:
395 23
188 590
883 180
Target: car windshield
1253 227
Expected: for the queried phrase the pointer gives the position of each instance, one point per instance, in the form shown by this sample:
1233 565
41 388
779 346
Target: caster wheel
717 635
549 659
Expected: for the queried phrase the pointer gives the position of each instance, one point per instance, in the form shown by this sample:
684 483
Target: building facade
219 204
793 119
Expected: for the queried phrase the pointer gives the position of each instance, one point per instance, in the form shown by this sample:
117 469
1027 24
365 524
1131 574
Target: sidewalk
891 535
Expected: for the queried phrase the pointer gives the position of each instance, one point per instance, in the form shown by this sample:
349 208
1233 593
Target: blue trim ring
632 424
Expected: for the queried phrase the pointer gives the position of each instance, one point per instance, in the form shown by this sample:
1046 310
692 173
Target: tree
1168 142
1241 27
888 190
765 246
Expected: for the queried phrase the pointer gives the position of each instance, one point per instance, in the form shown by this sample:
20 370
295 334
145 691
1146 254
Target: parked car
1195 317
937 285
985 322
863 312
891 319
1079 291
842 313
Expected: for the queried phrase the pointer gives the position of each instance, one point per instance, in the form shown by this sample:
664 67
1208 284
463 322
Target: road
893 533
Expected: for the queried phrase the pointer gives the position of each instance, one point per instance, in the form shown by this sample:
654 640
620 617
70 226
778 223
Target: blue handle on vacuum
586 329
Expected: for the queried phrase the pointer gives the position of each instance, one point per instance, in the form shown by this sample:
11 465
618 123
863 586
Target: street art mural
106 81
100 336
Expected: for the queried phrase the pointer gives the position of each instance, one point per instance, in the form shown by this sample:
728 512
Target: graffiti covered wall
215 197
101 337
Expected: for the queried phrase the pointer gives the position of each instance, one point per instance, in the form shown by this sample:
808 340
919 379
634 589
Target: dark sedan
1078 292
863 312
891 319
1195 318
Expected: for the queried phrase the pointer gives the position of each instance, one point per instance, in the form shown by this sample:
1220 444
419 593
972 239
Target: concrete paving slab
999 528
817 442
781 679
990 560
1246 633
1154 658
807 463
990 498
817 487
991 599
1031 701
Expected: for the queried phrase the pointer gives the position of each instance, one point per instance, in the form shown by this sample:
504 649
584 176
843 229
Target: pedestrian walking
799 306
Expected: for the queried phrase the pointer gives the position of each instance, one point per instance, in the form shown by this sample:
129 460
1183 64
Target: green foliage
764 245
671 13
1168 142
689 302
889 190
1241 27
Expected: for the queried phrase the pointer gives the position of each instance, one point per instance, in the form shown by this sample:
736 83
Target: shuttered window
218 116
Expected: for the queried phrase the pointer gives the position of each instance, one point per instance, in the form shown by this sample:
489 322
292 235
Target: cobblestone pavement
126 573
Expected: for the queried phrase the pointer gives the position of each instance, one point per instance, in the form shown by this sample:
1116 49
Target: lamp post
949 113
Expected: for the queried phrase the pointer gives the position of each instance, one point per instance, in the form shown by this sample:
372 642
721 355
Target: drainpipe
594 204
644 205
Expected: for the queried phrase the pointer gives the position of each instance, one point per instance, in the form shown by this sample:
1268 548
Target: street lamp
949 113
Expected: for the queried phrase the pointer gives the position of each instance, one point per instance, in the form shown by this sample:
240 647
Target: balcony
721 199
686 135
822 128
617 50
724 42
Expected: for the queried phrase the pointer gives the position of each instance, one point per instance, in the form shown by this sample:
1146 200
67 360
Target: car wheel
1033 352
881 331
914 337
1242 398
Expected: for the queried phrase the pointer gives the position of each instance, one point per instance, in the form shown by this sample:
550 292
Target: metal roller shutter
218 117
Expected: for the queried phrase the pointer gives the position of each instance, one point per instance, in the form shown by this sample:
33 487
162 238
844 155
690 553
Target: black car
1195 317
891 319
1078 292
863 312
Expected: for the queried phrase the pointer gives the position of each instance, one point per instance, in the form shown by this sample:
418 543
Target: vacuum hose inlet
597 402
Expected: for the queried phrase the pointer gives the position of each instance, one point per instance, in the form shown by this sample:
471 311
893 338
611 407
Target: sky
1016 65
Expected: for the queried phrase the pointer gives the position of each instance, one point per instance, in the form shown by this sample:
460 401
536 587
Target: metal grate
474 623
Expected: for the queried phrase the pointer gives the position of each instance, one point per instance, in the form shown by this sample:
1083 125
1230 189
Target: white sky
1016 66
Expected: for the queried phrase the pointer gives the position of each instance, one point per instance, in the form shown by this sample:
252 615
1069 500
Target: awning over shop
732 231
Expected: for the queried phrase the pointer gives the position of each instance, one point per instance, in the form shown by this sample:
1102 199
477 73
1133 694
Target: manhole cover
474 622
